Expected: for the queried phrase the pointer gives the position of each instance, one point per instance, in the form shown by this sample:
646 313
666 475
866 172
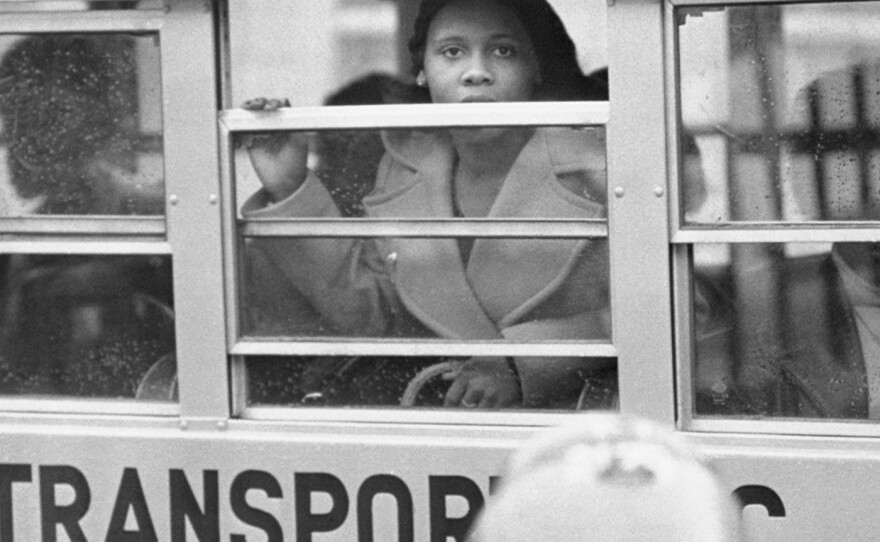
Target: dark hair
561 77
349 159
63 99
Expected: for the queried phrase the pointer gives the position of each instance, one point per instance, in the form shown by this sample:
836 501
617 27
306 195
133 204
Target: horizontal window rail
56 245
83 225
574 114
461 419
363 227
776 232
55 404
714 5
304 346
784 426
18 21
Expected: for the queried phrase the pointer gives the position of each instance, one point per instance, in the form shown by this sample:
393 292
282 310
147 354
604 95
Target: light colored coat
521 289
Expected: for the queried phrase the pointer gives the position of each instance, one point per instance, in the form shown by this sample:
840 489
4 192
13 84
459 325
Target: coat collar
504 278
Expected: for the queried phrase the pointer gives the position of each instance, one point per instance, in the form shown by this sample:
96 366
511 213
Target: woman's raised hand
279 158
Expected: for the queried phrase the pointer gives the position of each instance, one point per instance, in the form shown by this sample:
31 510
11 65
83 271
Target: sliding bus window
782 128
377 264
86 304
444 289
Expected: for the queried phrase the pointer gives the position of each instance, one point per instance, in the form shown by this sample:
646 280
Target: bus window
85 326
528 287
81 123
766 127
82 314
386 256
785 130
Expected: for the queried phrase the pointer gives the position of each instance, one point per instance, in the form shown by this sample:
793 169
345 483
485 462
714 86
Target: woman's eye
452 52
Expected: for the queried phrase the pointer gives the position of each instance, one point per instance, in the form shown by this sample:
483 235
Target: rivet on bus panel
172 199
618 191
213 199
658 191
184 424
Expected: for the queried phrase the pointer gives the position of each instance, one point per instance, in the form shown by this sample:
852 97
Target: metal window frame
638 210
729 3
98 235
233 121
86 22
191 218
683 237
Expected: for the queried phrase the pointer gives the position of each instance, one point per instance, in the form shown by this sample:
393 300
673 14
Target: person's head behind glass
69 107
494 50
610 478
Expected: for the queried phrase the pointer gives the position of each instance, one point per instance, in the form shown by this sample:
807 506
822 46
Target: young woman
540 289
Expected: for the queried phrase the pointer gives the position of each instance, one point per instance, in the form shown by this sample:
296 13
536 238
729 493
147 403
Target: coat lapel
513 276
429 273
505 278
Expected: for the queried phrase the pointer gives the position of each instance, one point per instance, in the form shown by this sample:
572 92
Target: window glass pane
515 173
780 111
306 52
787 330
454 288
80 125
86 326
483 288
547 383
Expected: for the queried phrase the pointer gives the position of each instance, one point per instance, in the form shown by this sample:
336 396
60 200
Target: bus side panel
105 484
798 488
352 483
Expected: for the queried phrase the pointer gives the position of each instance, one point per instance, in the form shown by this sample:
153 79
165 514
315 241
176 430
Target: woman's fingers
254 104
265 104
455 393
484 383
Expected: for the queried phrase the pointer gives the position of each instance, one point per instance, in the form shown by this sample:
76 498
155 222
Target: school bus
147 368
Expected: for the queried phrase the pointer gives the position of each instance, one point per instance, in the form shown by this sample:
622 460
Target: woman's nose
477 72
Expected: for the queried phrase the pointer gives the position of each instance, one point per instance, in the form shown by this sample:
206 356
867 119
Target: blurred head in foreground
610 479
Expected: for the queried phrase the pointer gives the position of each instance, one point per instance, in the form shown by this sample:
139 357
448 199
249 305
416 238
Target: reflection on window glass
305 52
87 326
546 383
81 125
782 106
788 330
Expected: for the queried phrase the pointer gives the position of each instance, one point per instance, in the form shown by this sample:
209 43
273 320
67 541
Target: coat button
391 258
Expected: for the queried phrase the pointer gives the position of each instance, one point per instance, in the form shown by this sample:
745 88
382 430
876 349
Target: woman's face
479 51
